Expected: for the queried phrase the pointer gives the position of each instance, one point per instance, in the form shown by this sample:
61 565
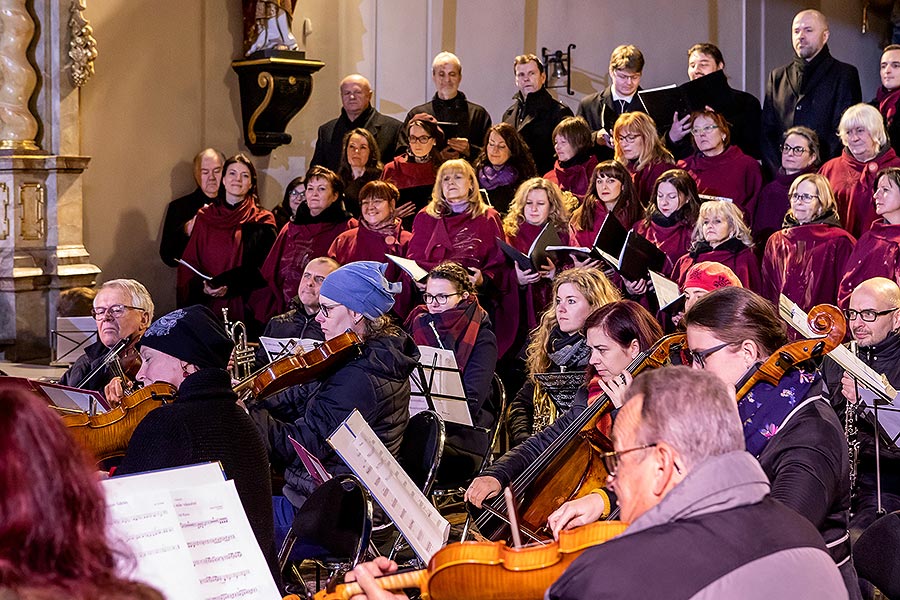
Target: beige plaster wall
164 87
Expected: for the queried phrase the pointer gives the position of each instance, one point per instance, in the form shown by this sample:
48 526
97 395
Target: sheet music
313 465
447 391
194 269
416 518
166 479
410 266
73 398
666 290
888 416
73 335
280 347
194 542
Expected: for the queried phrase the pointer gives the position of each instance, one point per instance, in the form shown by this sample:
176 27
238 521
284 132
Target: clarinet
851 431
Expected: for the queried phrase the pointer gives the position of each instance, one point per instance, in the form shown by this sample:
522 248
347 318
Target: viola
491 570
570 467
106 435
823 319
309 366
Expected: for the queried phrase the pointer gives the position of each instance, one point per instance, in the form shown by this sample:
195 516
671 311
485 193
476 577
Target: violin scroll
829 321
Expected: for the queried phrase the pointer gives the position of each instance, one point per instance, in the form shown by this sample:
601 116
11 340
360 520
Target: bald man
356 111
812 90
874 321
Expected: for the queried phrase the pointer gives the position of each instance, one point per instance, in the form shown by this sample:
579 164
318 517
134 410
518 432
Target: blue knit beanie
362 287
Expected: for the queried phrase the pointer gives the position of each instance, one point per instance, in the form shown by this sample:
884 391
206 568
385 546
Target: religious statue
267 25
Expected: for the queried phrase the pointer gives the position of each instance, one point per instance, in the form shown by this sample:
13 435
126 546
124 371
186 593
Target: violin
570 467
823 319
106 435
492 570
309 366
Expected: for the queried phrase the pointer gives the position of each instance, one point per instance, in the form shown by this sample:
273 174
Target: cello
570 467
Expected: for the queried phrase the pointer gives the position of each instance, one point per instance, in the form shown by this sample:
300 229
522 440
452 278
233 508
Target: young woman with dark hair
360 164
504 163
668 222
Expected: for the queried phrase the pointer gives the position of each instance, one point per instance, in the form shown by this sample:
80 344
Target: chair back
421 449
875 554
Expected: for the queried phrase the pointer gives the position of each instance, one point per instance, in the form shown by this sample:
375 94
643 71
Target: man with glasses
356 111
534 112
812 90
602 108
123 309
701 521
873 317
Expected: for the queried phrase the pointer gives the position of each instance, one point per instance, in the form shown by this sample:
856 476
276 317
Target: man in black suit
357 111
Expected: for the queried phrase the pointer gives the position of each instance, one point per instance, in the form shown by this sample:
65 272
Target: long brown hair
583 216
686 187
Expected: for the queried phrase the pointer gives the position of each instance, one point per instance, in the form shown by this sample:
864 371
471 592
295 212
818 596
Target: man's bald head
880 297
809 33
883 288
356 93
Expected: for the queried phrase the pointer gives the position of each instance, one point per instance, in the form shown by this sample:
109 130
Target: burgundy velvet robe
853 183
877 254
742 261
806 263
575 178
731 174
405 174
675 241
645 179
772 205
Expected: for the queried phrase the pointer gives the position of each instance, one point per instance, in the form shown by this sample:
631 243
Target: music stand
451 404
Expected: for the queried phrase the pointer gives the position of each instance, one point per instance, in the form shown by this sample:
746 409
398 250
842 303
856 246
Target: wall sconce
559 68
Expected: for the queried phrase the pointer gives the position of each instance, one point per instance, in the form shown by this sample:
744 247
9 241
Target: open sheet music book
418 520
189 534
411 267
668 296
443 379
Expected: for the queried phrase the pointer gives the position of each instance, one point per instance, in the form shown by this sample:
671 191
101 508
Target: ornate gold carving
33 223
265 80
82 45
4 194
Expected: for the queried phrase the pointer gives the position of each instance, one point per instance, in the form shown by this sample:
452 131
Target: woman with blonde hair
853 174
807 258
558 345
721 236
639 147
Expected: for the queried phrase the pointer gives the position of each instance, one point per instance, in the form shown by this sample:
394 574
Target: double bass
570 467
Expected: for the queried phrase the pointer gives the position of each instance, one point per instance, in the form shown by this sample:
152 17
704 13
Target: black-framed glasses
795 150
868 315
611 459
629 137
116 310
700 356
804 198
441 299
297 192
420 139
324 309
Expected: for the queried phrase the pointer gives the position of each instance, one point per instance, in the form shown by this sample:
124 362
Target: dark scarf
765 408
568 350
491 177
579 159
335 213
829 217
459 325
732 245
887 103
672 220
806 70
388 227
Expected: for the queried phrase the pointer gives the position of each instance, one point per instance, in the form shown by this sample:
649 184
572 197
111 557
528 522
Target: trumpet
242 355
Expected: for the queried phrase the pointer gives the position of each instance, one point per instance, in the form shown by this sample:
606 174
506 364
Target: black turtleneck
335 213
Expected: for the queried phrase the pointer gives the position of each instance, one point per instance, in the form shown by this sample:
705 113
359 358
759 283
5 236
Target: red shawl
457 327
877 254
853 183
731 174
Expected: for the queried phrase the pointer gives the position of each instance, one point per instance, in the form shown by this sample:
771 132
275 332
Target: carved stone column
41 222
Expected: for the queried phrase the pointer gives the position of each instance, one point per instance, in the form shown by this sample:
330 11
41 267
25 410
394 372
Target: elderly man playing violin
702 523
123 309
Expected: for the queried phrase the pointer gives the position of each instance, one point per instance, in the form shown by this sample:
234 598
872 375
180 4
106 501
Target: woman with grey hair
852 174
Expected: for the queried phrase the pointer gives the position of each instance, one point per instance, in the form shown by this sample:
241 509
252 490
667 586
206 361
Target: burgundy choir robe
645 179
732 253
806 263
853 183
585 238
731 174
877 254
536 297
674 240
772 205
575 178
405 174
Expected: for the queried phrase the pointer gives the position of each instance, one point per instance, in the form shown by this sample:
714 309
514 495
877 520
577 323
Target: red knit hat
710 276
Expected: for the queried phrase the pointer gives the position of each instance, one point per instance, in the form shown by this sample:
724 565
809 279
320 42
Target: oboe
850 429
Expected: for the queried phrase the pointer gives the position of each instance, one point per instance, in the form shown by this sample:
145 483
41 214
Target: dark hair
382 190
576 131
519 154
810 136
294 184
53 530
456 274
625 321
628 202
892 173
76 302
374 161
685 185
736 314
253 192
320 172
433 130
717 118
524 59
708 49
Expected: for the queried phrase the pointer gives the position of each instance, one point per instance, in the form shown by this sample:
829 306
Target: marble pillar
41 222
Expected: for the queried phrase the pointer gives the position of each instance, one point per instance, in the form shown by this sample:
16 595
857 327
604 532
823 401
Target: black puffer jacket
295 323
376 383
87 362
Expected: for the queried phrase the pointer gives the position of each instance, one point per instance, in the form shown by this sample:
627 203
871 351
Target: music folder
537 253
609 241
410 266
663 102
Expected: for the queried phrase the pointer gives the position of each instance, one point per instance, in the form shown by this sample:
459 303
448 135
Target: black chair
333 528
875 554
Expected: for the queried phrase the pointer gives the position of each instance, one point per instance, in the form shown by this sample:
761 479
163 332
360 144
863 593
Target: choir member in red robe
415 171
231 238
639 147
536 203
458 225
721 169
504 163
877 253
887 98
806 259
669 221
721 236
315 226
852 174
575 160
799 155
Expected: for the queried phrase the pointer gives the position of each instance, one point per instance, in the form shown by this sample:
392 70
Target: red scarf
218 233
887 103
457 326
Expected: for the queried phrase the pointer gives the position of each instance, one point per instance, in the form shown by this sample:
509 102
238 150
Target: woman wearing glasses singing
790 428
853 173
807 258
719 168
639 147
799 155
